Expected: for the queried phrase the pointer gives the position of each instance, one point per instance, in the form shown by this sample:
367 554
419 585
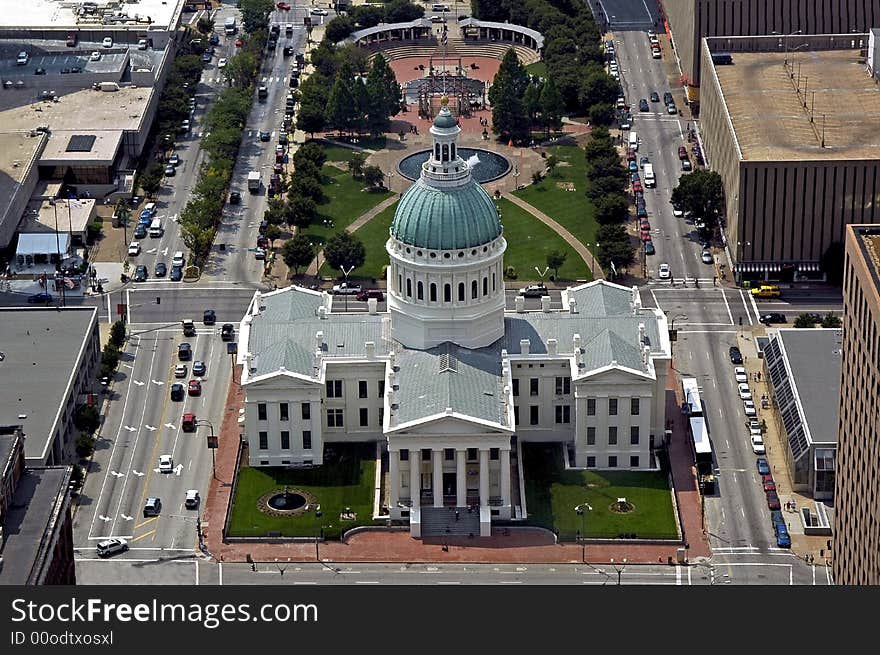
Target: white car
111 546
95 56
166 464
663 272
749 408
744 392
677 211
134 249
318 11
221 63
107 42
259 253
758 444
180 371
707 257
191 500
740 373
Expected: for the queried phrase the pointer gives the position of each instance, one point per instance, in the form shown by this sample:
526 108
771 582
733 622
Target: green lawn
337 153
345 480
570 208
539 68
552 493
374 235
529 241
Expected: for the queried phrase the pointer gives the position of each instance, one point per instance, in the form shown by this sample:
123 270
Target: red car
189 423
773 500
239 43
195 388
630 155
637 187
682 152
766 477
646 236
283 6
769 485
370 293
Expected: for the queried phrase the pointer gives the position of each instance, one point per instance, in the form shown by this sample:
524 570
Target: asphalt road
625 14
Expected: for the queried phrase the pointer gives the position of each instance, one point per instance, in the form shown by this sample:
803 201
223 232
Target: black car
668 99
643 105
214 40
140 232
265 136
140 273
40 298
772 317
234 198
176 274
161 269
649 248
735 355
209 317
227 333
655 97
178 392
206 57
184 352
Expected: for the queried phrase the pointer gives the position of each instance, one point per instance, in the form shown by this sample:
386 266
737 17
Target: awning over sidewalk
42 244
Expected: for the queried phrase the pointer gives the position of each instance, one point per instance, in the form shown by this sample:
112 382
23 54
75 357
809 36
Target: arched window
452 152
409 287
420 291
461 292
433 292
447 293
445 152
474 289
436 151
485 286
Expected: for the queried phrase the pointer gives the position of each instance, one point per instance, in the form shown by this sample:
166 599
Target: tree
614 246
555 259
532 101
612 208
255 14
344 249
117 333
151 178
298 252
307 168
804 320
601 113
701 193
604 186
551 106
306 187
273 232
367 15
374 177
832 263
402 11
311 117
382 99
205 25
342 110
356 164
197 237
831 321
491 10
339 29
509 117
551 163
86 418
300 211
85 444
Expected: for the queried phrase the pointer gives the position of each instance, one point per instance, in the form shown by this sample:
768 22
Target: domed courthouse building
448 382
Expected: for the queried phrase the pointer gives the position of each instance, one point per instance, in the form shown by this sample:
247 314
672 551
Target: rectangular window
591 462
404 455
515 386
381 388
612 435
634 435
591 436
261 411
306 411
472 454
533 414
533 386
264 441
285 440
362 388
334 388
591 406
426 454
494 453
634 461
334 418
612 407
563 413
381 417
516 415
307 439
449 454
634 406
365 417
563 386
612 461
284 412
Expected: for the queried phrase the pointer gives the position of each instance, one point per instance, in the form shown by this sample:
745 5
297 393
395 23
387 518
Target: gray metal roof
381 28
467 381
814 359
40 349
473 22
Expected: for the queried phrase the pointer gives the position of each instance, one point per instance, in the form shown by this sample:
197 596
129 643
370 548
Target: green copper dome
446 218
445 118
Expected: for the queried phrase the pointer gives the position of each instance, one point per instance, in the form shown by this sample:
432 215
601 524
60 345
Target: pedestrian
456 514
448 530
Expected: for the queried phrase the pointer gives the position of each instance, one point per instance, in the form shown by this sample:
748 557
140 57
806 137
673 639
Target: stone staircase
454 48
440 522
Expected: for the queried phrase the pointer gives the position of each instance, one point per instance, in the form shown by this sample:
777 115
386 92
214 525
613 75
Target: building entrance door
449 484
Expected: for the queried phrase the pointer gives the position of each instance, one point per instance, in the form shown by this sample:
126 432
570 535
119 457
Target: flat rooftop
17 151
769 118
815 360
97 147
71 215
68 13
868 238
72 112
37 506
41 347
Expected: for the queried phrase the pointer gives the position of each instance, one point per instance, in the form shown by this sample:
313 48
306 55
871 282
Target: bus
692 407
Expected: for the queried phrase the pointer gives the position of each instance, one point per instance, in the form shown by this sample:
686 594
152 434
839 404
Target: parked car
772 317
649 248
234 198
686 165
134 249
259 253
735 355
346 289
740 374
757 444
534 291
170 171
264 135
221 63
107 42
191 499
769 485
632 166
319 11
111 546
199 368
663 272
783 539
773 500
174 159
140 231
643 161
40 298
762 465
671 108
366 294
682 152
749 408
194 388
744 392
166 464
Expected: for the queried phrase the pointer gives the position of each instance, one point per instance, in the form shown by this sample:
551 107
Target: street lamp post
581 510
200 423
346 273
740 249
318 515
785 43
542 274
619 570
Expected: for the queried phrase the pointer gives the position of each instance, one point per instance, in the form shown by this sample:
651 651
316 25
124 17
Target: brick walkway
527 545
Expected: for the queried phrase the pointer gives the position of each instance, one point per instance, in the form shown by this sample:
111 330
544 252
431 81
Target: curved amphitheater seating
455 48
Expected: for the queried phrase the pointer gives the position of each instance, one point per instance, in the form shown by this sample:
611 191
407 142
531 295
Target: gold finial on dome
444 100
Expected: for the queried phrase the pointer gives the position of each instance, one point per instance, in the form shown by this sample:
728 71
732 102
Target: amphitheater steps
456 48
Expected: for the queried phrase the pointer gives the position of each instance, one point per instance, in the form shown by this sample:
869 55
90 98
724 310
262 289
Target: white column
415 477
460 478
393 481
484 477
438 477
505 477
